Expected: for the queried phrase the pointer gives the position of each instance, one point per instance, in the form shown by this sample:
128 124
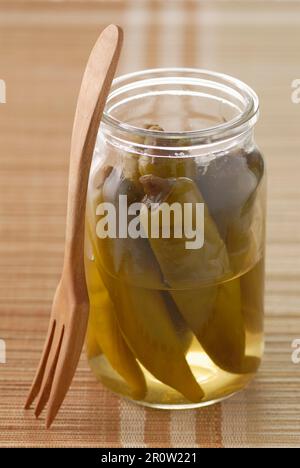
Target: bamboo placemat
43 49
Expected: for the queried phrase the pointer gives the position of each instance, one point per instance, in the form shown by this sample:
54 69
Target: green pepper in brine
212 311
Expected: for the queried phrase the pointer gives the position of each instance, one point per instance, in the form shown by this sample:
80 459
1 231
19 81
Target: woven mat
43 50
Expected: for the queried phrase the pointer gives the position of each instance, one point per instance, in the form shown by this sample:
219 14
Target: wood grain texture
43 50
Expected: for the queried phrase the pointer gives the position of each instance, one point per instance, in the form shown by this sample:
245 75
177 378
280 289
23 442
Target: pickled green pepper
213 313
103 330
252 291
182 267
160 164
92 346
127 258
150 333
103 322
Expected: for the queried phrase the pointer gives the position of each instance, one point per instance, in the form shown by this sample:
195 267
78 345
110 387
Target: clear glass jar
176 315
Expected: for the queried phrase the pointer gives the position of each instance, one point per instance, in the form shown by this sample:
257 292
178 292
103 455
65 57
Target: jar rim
248 116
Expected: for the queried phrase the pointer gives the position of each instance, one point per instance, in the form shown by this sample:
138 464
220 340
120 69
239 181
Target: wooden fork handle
94 90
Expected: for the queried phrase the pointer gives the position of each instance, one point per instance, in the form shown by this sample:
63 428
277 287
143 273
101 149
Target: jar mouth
238 101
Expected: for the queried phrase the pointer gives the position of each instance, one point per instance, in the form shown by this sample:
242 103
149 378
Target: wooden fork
70 308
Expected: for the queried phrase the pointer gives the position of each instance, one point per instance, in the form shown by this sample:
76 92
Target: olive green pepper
162 165
92 346
183 267
145 322
231 187
212 312
245 234
103 329
252 291
103 324
215 316
126 258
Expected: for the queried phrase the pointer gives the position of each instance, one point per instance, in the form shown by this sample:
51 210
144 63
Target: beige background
43 50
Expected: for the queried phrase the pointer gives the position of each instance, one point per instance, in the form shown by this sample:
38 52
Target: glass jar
175 235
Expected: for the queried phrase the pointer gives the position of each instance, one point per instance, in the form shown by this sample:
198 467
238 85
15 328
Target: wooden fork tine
49 371
38 379
65 370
